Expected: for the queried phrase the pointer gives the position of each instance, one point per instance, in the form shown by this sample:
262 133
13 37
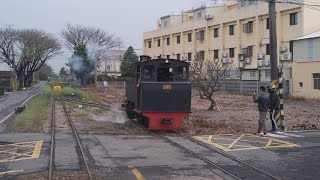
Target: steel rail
52 140
78 139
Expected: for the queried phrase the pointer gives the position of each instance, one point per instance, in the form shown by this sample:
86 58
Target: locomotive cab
160 95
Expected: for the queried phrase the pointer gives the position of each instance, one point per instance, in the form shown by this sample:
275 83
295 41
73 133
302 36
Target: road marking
136 173
239 142
29 98
13 171
4 119
20 151
235 141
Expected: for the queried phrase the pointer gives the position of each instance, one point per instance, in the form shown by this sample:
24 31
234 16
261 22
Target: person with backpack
274 107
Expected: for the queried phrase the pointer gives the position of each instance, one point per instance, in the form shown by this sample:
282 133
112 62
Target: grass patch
32 118
80 114
100 110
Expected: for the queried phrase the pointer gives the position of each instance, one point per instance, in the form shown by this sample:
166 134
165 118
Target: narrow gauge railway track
264 174
257 171
85 103
52 151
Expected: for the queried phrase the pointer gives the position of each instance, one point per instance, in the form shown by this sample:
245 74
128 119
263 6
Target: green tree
63 73
44 72
80 64
127 66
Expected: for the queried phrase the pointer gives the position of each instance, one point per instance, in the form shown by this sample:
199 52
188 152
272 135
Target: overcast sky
127 19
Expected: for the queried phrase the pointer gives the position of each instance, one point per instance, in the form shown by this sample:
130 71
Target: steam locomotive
159 96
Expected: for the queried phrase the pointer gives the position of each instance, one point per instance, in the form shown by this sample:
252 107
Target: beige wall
259 38
303 73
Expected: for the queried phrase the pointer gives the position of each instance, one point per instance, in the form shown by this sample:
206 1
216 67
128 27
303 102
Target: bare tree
26 51
208 76
89 36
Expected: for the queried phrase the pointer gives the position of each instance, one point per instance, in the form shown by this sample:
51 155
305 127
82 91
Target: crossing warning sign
56 88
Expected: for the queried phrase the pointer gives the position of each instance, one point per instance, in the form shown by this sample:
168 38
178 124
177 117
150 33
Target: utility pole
276 75
273 41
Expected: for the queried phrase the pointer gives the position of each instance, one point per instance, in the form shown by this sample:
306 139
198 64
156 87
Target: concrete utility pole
273 41
276 76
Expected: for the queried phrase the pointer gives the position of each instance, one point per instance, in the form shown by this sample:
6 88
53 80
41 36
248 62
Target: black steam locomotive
159 97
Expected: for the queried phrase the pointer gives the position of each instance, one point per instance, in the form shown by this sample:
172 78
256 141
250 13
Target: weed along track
53 153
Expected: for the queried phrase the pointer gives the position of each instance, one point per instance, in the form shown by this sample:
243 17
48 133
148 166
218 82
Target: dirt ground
239 114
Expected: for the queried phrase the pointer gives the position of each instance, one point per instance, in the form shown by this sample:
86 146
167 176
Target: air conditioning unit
260 56
225 60
230 60
241 64
248 60
240 57
260 63
283 49
267 63
225 55
209 16
287 56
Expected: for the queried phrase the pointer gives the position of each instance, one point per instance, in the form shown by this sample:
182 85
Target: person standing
274 107
263 105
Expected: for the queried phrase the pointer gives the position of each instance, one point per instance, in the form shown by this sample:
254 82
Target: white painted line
290 135
29 98
20 105
6 117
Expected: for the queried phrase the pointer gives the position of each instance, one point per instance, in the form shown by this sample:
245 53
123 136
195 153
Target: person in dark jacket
263 105
274 107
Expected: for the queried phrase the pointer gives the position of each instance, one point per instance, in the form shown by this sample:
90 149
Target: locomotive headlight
167 61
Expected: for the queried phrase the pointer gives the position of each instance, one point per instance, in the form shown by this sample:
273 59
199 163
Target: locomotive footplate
167 120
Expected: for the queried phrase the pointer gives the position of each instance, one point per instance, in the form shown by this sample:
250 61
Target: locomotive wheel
129 111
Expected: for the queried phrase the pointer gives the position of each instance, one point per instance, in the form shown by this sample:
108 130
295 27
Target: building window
310 49
301 84
189 56
189 37
253 74
291 46
267 25
165 24
294 18
231 30
178 39
201 55
159 42
231 52
199 15
149 44
268 49
249 51
178 56
216 54
248 27
216 32
168 56
200 35
316 80
267 73
168 41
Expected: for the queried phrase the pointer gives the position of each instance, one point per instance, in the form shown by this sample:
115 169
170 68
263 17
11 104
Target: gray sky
127 19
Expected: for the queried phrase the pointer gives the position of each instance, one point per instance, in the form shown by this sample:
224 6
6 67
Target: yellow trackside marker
239 142
56 88
13 171
20 151
136 173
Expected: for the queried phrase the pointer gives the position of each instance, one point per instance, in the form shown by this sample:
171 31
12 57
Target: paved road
131 157
14 100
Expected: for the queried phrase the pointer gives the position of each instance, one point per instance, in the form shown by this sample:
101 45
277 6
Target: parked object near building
235 32
306 66
6 80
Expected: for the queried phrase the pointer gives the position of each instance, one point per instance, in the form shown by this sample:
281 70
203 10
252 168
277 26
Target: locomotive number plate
167 87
